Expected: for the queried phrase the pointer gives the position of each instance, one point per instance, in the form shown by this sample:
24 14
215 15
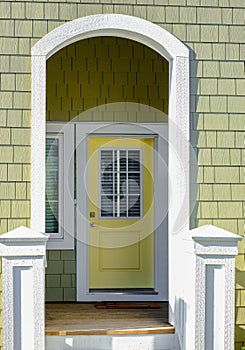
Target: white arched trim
123 26
170 48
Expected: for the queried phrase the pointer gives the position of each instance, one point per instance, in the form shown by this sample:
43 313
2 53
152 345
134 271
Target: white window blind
53 198
120 183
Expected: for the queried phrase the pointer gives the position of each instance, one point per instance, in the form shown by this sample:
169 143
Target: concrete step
111 342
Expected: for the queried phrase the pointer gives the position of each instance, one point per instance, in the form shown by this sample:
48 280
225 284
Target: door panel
121 212
125 258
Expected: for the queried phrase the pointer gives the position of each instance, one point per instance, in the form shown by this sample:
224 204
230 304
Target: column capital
212 240
23 241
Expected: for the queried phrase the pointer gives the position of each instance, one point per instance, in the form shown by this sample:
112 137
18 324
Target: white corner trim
177 54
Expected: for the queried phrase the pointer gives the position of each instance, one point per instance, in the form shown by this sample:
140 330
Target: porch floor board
64 319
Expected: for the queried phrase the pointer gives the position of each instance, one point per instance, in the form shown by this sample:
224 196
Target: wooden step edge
158 330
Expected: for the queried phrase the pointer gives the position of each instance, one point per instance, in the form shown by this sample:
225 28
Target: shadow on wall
180 313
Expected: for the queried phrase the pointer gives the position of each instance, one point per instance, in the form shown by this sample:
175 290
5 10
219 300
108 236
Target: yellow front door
121 212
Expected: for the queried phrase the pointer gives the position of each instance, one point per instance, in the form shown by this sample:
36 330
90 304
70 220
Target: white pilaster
215 251
23 272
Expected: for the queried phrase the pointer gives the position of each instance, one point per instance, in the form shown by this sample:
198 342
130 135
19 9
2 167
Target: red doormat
127 305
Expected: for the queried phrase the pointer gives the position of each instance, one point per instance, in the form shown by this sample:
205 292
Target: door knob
92 224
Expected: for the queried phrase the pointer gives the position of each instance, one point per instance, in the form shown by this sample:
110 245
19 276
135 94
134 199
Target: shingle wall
61 275
99 71
214 32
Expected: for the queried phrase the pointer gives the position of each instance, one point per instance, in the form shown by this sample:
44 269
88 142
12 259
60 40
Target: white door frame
160 132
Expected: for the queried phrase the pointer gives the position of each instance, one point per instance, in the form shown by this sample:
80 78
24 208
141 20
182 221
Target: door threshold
127 291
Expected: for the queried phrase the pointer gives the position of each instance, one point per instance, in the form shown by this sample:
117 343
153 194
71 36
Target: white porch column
23 272
215 251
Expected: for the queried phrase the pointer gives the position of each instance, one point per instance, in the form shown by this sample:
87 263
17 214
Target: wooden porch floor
84 319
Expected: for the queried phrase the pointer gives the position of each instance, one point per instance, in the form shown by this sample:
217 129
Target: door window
120 183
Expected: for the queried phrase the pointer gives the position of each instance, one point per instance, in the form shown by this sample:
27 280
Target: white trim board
160 133
177 54
66 187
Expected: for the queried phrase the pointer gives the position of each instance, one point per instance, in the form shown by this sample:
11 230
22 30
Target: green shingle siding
214 31
61 276
99 71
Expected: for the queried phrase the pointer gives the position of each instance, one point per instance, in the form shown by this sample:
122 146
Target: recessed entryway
121 83
177 55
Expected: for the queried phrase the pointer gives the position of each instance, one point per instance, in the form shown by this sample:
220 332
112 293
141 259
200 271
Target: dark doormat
127 305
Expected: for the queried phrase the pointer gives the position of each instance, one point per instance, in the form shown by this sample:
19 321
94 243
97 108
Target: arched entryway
176 54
